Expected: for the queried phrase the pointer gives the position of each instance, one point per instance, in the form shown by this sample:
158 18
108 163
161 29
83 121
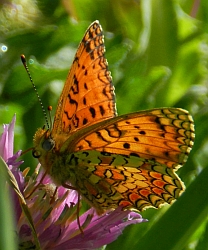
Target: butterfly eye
36 153
48 144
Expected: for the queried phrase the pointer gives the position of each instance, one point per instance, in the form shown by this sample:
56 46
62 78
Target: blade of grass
7 234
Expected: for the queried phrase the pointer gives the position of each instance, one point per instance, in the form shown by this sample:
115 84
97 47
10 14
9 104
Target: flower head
46 217
7 144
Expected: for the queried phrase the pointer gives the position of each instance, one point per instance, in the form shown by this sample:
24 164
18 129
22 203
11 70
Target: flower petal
6 140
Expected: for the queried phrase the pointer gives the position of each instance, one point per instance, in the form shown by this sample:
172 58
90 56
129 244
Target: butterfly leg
42 178
54 195
78 209
78 205
69 186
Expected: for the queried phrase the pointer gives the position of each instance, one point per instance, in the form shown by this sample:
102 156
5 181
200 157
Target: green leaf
8 239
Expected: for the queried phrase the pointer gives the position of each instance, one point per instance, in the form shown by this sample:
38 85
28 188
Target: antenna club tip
50 108
23 58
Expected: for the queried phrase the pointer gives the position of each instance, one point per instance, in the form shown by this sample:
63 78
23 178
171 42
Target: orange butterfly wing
88 94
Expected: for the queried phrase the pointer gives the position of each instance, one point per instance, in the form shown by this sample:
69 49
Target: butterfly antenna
39 99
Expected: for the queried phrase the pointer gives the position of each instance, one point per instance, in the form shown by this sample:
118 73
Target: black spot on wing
84 121
134 154
75 86
166 153
92 111
84 101
126 145
102 110
85 86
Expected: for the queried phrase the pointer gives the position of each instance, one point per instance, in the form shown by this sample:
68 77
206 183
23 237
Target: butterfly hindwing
108 180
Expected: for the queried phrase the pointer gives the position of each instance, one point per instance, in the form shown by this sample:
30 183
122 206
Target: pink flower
50 222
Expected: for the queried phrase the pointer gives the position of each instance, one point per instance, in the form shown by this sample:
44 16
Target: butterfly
128 160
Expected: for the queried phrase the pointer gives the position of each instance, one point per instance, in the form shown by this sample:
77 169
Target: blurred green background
157 51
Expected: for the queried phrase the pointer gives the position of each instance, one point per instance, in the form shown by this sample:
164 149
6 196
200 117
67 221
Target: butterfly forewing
88 94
